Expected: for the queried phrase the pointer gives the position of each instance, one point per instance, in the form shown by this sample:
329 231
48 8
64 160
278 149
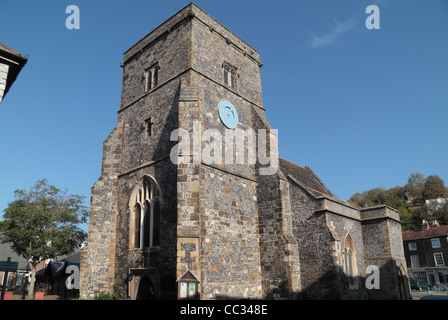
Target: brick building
171 221
426 253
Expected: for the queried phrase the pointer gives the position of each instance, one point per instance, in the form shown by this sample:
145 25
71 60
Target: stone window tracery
151 76
145 205
350 268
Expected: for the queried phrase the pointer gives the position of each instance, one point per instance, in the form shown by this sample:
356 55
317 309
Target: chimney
425 225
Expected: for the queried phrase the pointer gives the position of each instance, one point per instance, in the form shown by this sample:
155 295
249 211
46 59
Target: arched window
146 225
156 223
350 268
136 230
145 219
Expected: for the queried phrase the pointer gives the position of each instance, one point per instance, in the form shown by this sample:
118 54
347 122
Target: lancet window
145 208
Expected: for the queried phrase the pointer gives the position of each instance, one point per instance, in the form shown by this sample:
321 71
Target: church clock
228 114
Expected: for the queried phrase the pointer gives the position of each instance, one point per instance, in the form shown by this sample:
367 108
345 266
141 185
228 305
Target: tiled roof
434 232
306 177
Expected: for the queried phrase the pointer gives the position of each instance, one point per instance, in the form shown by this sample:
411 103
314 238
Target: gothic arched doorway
145 289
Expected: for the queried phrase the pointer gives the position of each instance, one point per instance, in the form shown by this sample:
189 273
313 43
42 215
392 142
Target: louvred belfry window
230 75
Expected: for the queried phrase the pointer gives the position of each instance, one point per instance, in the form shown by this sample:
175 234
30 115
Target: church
194 203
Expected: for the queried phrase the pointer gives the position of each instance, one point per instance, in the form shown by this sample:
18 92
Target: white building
11 63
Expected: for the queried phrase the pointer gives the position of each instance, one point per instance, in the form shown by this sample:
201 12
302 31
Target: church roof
433 232
306 177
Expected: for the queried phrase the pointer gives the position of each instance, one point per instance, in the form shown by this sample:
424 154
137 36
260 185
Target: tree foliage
43 223
394 197
434 188
410 200
415 185
441 214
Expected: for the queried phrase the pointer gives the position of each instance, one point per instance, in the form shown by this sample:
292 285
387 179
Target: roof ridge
422 234
295 164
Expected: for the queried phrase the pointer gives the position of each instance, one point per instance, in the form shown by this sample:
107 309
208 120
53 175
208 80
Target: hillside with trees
422 198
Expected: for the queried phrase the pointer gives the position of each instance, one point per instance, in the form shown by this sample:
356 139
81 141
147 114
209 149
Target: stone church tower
182 211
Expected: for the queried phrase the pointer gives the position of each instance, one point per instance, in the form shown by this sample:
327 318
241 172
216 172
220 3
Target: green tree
441 214
397 198
413 213
407 219
434 187
357 199
393 197
416 185
42 223
417 216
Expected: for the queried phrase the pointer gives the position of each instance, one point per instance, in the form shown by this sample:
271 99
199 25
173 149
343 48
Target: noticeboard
188 286
9 266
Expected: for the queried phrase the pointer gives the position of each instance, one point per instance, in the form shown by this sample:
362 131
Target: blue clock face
228 114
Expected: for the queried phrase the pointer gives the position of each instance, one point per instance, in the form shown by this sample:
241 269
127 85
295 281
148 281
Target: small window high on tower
151 77
148 126
230 76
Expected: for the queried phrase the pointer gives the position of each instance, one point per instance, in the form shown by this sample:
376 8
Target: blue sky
363 108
